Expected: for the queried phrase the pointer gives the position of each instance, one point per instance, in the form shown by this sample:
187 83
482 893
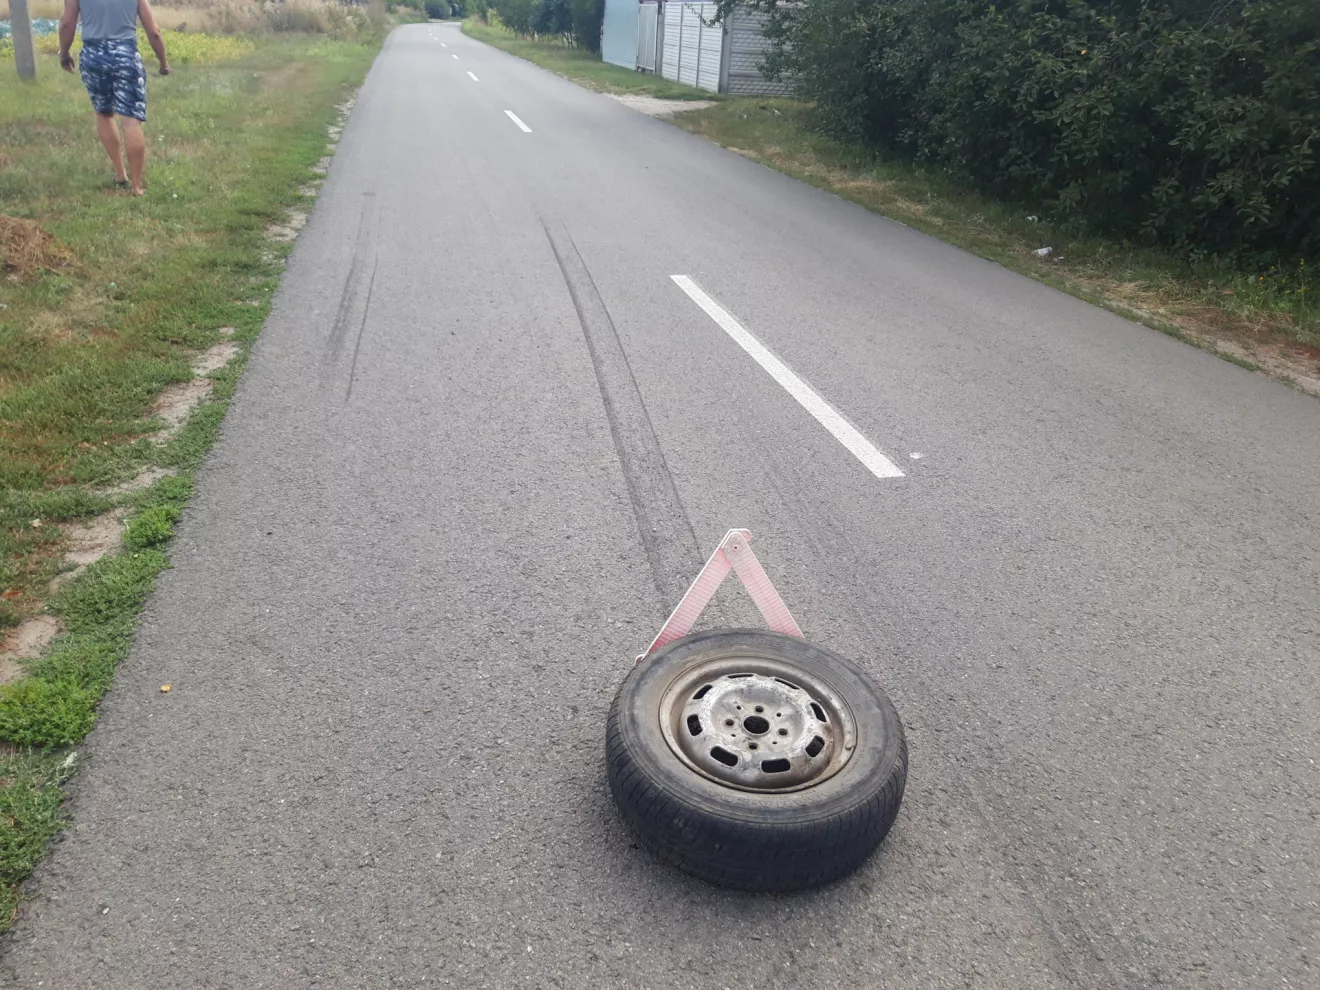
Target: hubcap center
756 725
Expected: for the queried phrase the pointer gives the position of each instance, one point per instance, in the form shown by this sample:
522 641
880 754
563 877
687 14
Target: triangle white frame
734 553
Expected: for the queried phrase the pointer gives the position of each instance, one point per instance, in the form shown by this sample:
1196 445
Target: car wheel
755 760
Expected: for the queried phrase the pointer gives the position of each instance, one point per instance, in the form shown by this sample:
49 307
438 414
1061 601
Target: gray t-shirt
108 20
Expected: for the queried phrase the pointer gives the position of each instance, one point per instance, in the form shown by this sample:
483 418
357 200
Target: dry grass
26 248
37 8
164 11
250 16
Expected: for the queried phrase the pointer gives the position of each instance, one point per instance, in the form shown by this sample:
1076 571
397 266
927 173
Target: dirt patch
215 358
144 480
175 403
26 248
10 669
653 107
24 642
90 541
287 231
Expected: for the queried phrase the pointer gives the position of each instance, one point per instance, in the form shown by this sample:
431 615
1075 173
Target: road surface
483 443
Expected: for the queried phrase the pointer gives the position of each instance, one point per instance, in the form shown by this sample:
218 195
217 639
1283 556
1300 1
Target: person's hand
66 61
165 68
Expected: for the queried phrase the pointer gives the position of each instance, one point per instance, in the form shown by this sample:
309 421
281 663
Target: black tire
754 840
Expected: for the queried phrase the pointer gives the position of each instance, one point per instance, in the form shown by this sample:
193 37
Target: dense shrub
588 15
517 15
575 22
552 17
1191 123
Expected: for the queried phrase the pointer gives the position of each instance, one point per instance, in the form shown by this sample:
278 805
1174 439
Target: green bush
576 22
1190 123
553 17
436 10
587 17
517 15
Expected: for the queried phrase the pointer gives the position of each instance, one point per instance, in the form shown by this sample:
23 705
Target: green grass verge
581 66
86 345
30 798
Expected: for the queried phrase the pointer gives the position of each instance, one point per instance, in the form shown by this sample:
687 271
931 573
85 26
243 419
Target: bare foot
139 192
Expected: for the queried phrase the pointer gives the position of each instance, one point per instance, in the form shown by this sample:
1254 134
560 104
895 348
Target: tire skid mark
362 326
666 532
1086 952
362 251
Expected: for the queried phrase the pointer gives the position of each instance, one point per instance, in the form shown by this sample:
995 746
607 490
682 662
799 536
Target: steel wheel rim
757 723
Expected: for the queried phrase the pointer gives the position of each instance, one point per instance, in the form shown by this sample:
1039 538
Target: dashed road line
825 414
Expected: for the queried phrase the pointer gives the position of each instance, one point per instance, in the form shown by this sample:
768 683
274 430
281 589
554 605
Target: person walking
112 71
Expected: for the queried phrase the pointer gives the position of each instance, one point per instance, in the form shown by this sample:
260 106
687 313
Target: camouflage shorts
115 80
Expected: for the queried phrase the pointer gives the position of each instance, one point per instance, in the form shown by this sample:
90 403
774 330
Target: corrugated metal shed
693 48
746 52
719 58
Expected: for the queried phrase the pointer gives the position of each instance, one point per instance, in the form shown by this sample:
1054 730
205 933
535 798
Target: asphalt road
483 443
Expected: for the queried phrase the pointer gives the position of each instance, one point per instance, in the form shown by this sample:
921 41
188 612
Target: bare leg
105 127
135 143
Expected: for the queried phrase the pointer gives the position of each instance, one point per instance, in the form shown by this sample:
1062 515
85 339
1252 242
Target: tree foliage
1191 123
576 22
588 16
